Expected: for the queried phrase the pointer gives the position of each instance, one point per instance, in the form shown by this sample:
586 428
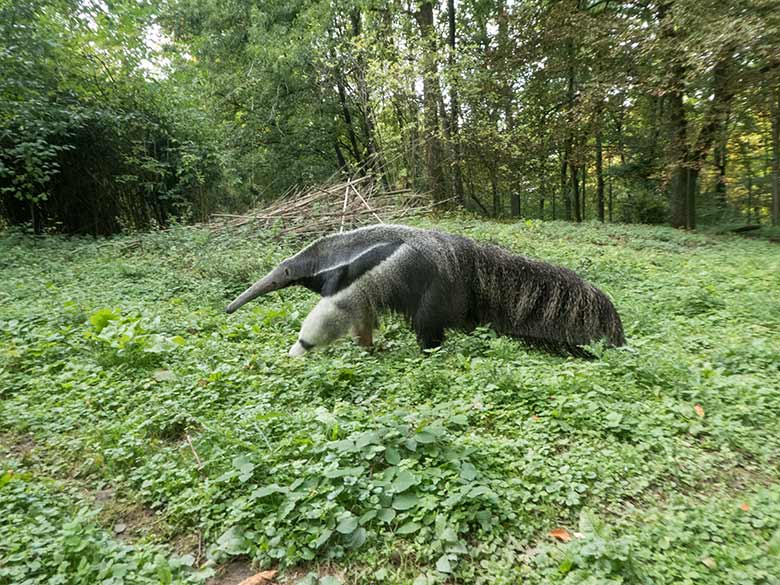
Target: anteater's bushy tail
544 305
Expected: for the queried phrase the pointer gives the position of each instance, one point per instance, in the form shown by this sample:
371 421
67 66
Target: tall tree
431 99
775 113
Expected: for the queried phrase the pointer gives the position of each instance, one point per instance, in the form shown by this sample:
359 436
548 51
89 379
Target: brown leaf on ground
561 534
699 410
709 562
262 578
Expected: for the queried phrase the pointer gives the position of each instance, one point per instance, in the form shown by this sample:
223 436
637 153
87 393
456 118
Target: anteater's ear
344 269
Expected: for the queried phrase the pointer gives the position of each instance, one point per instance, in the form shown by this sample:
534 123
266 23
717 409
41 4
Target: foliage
660 459
88 141
51 538
540 109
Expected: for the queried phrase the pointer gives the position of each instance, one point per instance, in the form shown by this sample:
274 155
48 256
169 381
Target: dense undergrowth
121 374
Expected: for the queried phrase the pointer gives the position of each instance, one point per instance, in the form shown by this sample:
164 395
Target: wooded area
128 114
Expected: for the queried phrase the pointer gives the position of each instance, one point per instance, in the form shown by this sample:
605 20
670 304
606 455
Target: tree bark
515 203
775 97
457 173
339 155
748 167
565 187
582 195
599 174
678 153
720 156
348 120
494 188
575 193
431 99
689 159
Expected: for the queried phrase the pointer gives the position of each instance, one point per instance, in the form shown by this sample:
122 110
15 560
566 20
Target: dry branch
336 205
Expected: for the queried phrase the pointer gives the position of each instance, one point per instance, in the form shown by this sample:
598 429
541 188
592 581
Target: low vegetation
147 437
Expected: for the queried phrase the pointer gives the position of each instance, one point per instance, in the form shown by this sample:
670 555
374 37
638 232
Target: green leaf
267 490
368 516
468 472
347 524
425 437
244 466
164 573
357 538
323 537
365 439
232 541
343 472
405 501
443 564
409 528
386 515
100 318
460 419
392 456
403 481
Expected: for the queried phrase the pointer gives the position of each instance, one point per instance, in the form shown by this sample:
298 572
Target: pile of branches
338 205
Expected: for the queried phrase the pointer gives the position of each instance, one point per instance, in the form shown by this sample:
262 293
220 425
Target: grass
147 437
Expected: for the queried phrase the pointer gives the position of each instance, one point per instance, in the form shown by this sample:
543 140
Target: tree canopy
129 113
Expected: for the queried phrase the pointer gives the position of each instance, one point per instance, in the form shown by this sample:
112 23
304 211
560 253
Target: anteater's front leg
363 334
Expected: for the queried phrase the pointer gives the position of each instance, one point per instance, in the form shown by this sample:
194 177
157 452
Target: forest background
128 114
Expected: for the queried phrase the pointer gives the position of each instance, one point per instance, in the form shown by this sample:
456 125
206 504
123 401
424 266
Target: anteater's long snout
268 283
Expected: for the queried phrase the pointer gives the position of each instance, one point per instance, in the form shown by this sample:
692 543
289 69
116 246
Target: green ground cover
147 437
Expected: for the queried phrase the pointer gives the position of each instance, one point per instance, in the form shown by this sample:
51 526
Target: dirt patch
293 576
237 570
232 573
128 520
16 446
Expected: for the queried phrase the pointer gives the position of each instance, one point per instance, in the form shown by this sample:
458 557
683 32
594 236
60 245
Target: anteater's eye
287 272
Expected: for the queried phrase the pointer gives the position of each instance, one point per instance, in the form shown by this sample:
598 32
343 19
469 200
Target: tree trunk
370 136
515 202
720 156
684 178
457 175
678 146
689 159
431 99
575 194
582 195
776 156
748 166
348 120
572 198
494 188
599 176
339 156
565 188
